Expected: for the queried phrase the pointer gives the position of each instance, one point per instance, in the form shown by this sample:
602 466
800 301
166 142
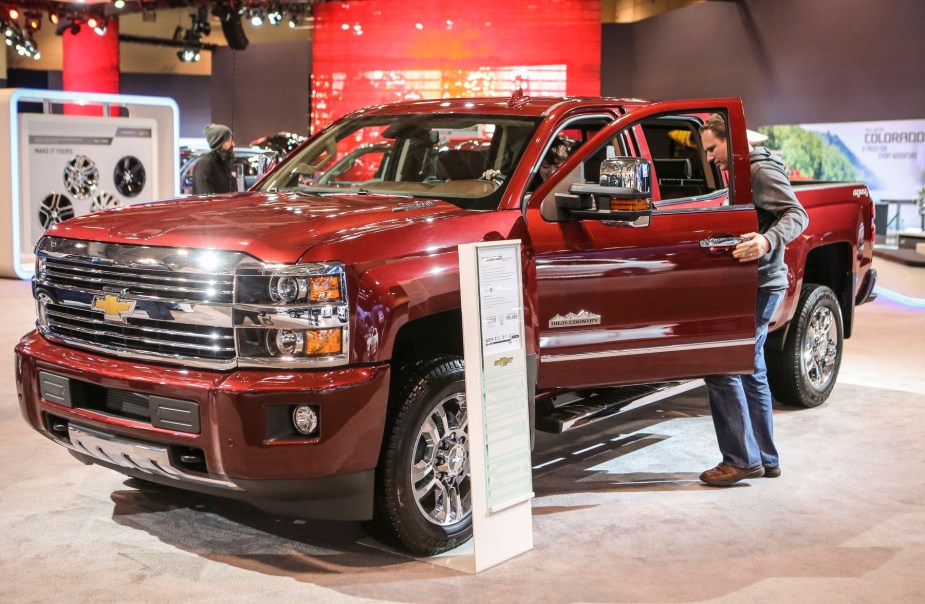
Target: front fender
391 295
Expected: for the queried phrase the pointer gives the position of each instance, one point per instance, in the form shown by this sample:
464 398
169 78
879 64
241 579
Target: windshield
463 159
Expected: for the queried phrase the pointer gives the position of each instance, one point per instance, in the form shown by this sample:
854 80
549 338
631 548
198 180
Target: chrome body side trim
602 354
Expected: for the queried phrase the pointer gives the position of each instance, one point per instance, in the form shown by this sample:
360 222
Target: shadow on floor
327 553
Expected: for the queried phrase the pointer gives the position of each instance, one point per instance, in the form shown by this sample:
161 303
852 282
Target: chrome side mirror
627 172
622 197
266 161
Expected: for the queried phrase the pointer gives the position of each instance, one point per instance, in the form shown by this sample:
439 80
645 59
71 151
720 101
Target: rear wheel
423 490
805 371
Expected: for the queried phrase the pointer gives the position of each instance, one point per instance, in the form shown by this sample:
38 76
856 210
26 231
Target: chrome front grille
192 307
162 338
85 275
168 304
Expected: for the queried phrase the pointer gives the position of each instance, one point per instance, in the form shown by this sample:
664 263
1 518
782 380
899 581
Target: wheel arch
832 265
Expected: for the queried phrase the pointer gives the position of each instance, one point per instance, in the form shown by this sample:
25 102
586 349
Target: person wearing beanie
214 173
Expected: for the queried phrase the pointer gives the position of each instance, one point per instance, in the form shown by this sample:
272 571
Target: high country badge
572 319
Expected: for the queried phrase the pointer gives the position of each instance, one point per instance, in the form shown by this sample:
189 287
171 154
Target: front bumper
236 446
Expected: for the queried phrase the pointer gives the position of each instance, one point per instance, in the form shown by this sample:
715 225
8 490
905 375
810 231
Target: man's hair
558 151
715 124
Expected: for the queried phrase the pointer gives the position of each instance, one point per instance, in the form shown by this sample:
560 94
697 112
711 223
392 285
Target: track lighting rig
19 21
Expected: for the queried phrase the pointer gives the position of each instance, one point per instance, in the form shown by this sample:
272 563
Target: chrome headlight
292 315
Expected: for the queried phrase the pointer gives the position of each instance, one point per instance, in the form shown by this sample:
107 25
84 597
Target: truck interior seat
459 164
674 178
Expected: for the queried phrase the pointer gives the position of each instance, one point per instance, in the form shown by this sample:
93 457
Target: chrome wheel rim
55 208
440 463
81 176
820 349
103 201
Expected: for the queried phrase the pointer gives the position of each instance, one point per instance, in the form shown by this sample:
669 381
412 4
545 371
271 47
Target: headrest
672 168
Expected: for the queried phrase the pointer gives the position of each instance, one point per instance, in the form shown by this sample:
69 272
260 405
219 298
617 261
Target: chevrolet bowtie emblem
504 361
113 308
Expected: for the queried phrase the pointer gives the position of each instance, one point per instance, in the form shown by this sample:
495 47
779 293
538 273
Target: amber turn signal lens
628 205
324 288
322 342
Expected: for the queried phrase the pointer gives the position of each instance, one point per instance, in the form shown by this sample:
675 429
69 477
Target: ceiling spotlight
100 27
293 21
256 16
92 22
34 21
188 55
119 4
275 16
54 18
14 14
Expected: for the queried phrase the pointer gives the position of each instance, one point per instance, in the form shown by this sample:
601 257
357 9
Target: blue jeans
741 404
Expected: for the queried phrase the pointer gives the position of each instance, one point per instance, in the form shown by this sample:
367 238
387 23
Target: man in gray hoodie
741 404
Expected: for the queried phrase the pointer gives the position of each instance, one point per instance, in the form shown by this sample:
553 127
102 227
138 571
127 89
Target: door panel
668 307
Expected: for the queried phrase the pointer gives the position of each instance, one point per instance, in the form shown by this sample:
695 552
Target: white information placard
496 390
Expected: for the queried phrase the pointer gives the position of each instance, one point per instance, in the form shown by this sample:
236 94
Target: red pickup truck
298 345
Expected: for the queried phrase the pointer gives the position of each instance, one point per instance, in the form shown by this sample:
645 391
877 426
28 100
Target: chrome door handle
721 241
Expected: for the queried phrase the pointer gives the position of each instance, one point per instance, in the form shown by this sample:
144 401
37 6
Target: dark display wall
191 93
261 90
792 61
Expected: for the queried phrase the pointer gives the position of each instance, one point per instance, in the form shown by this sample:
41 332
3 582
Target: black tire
428 511
804 372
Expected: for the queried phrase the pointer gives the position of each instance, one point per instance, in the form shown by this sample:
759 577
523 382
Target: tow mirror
266 161
623 195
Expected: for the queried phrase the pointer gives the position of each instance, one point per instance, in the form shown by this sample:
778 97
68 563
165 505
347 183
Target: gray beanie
216 134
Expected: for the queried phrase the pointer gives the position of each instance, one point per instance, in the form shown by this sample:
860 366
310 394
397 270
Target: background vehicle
299 345
282 143
245 164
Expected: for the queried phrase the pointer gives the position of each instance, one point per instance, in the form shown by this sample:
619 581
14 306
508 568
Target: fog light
305 419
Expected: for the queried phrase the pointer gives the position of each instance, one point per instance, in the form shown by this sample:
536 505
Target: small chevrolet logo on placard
113 308
504 361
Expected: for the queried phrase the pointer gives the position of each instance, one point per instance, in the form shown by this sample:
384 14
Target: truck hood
273 227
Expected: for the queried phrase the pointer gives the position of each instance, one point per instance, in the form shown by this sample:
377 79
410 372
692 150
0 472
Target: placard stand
491 293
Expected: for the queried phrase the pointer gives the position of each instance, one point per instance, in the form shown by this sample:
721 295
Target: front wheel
804 372
423 490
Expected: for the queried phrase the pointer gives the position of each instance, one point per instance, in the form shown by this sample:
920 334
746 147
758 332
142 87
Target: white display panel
72 165
18 190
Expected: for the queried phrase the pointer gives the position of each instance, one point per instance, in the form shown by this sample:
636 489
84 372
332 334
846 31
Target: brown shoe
724 475
771 471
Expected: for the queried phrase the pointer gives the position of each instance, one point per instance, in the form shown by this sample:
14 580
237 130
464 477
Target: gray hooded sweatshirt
781 218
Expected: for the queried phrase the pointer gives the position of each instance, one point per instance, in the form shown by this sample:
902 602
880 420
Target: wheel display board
55 166
73 165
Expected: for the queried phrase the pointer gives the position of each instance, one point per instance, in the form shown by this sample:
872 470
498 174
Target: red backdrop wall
367 53
91 64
